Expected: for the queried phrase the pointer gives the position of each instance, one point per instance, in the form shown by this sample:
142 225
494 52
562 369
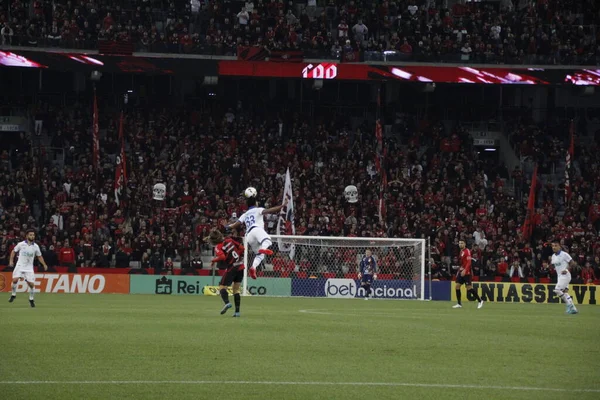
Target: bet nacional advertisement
381 289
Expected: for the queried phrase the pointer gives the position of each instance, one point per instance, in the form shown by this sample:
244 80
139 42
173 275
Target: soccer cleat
236 315
480 304
227 307
572 310
266 252
32 303
457 306
252 272
12 298
366 298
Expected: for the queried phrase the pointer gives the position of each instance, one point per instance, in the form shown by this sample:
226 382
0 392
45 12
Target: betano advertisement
194 285
70 283
507 292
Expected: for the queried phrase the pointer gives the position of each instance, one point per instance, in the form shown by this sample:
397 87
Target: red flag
380 165
568 163
96 136
121 168
382 188
528 225
378 132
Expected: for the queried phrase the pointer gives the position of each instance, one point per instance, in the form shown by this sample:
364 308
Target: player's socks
237 299
568 299
474 293
368 290
14 289
458 297
224 296
31 292
257 260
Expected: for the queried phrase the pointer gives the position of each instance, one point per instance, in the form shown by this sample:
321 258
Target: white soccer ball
250 192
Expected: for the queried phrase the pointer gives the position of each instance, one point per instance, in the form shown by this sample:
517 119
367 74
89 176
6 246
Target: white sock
257 260
31 291
14 289
568 299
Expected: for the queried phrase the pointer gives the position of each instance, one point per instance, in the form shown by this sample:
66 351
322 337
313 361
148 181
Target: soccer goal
315 266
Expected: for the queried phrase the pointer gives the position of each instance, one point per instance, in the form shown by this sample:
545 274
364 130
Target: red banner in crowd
363 72
254 53
115 48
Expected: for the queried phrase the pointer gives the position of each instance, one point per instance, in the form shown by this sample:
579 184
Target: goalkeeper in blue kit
367 272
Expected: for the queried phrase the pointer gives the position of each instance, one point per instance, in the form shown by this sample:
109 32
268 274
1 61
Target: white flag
285 224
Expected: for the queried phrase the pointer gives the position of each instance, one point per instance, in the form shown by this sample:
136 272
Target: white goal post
328 266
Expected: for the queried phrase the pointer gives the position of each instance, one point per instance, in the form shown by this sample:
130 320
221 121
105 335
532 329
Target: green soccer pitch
179 347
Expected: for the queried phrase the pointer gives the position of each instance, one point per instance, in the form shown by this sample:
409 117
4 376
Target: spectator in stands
66 256
588 275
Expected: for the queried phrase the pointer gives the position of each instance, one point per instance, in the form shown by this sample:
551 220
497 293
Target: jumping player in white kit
562 261
256 236
28 251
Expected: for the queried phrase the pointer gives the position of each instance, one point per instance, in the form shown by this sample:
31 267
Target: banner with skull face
351 194
159 192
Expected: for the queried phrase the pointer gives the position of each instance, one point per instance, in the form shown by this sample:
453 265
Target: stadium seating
512 32
457 191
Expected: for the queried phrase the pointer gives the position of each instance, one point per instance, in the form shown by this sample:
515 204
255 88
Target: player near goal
561 260
368 272
28 250
257 238
463 276
229 251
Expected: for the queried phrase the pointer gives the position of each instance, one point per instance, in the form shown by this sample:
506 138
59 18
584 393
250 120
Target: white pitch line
285 383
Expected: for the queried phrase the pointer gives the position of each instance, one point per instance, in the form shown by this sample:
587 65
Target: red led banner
363 72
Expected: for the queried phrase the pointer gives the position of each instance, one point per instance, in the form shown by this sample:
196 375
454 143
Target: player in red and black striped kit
229 253
463 276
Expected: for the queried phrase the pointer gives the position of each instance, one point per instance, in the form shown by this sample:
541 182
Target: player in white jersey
562 261
256 236
28 250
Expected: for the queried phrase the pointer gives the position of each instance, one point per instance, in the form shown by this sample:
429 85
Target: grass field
179 347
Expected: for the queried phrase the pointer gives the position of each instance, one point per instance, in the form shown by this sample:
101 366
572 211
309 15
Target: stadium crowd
438 187
507 31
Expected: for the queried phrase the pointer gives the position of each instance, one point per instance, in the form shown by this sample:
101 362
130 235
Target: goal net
314 266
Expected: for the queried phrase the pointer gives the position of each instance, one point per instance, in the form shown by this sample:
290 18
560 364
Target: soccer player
562 261
229 251
463 276
368 272
27 250
256 236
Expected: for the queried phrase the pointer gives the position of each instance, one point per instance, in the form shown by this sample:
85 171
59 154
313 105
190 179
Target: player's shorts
366 280
28 275
464 280
562 282
233 274
256 237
